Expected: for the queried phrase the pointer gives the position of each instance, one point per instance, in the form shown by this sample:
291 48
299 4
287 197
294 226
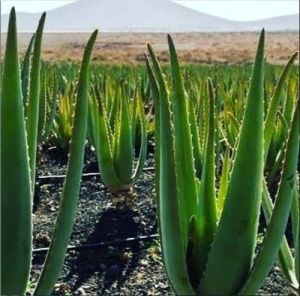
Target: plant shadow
108 264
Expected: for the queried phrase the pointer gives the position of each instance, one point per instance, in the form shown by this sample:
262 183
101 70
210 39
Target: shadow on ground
113 263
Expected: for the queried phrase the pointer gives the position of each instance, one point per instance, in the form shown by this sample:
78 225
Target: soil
116 48
134 268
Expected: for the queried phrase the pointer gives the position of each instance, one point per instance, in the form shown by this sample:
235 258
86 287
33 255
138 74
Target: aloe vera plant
16 181
203 235
62 125
112 135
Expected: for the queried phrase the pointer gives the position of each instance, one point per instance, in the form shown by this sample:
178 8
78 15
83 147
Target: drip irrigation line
86 175
115 242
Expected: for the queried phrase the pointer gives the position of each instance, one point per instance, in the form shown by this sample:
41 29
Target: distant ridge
142 16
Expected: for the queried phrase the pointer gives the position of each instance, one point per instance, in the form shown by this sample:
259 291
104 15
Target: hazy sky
240 10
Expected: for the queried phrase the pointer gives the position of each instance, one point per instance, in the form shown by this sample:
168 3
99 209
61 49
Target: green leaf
286 261
184 159
195 140
275 101
42 107
276 228
223 182
143 148
173 237
124 150
236 233
33 99
207 201
16 229
26 71
295 211
67 209
52 111
155 95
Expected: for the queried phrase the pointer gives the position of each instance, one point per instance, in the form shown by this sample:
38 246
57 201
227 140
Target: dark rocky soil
134 268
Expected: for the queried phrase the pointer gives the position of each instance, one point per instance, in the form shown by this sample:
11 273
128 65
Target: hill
141 16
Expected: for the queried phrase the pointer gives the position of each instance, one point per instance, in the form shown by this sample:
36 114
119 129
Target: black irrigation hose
101 244
115 242
86 175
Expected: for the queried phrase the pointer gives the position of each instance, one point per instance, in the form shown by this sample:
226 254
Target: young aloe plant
62 126
16 182
112 136
201 235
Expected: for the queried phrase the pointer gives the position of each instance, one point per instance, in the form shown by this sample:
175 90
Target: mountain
280 23
141 16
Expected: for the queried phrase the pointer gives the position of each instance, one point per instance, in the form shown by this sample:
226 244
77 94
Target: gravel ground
134 268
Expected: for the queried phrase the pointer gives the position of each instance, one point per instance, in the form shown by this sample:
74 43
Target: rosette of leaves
209 236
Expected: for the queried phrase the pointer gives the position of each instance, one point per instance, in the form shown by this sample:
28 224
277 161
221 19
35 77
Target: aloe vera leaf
277 148
134 113
113 112
116 129
42 107
297 257
236 234
223 182
26 70
233 128
286 261
295 228
207 215
289 104
155 95
195 140
124 150
52 112
203 119
295 212
284 127
285 257
184 159
67 210
91 127
274 104
143 148
16 229
33 99
173 238
95 107
278 221
276 165
100 121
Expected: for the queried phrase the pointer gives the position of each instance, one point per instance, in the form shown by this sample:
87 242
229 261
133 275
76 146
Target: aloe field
162 178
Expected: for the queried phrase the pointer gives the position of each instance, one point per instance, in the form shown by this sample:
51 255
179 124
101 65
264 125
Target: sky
238 10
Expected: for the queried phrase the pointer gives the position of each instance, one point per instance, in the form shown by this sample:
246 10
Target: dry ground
193 47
